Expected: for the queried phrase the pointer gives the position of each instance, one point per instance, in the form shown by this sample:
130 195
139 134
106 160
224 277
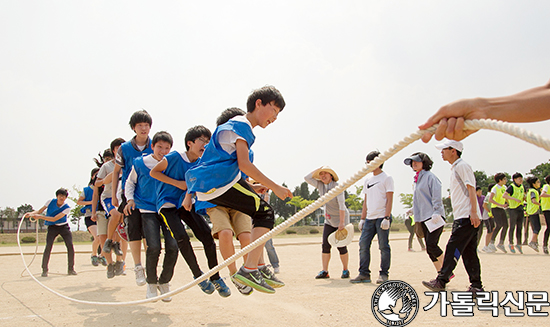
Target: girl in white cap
336 216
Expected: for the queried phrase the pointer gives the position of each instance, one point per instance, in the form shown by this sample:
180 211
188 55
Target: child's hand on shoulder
282 192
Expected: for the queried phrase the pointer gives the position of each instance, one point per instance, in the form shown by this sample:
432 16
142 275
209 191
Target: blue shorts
107 204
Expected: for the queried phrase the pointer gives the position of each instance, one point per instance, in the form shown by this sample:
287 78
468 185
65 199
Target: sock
249 269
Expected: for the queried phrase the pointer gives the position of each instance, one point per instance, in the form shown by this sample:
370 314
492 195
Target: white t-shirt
105 170
461 176
150 162
376 188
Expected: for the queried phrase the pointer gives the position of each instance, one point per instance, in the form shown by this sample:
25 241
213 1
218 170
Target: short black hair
517 175
195 132
372 155
458 153
140 116
162 136
547 179
478 188
531 180
499 177
102 158
116 142
62 191
227 114
92 176
267 94
427 162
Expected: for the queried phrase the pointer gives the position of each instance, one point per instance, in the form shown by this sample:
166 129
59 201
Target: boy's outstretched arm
250 170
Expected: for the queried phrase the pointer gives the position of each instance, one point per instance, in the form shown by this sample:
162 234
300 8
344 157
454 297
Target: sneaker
164 288
501 248
520 250
474 291
151 291
545 249
345 274
487 249
533 246
511 247
207 287
411 250
140 275
117 249
222 289
360 279
381 279
111 270
270 278
434 285
44 273
276 270
492 247
253 279
103 261
123 268
71 272
322 274
107 246
245 290
95 261
119 268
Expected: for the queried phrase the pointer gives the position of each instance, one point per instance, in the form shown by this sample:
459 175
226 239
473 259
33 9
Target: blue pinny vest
216 167
145 192
129 153
53 210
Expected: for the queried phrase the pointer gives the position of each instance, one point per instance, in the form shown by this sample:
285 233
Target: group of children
524 207
143 185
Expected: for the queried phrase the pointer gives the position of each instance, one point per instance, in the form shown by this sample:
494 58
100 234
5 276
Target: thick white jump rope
507 128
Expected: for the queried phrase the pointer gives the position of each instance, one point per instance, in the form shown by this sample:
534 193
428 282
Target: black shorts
243 198
88 221
133 221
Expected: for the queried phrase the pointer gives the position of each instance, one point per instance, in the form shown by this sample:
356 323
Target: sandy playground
304 301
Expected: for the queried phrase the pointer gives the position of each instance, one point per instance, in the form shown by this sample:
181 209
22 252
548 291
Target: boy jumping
218 179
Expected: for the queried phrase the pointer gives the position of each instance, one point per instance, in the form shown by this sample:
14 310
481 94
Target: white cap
450 144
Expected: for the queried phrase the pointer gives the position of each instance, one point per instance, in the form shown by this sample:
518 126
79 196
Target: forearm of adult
389 203
310 180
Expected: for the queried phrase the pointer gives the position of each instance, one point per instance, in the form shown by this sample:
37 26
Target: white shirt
105 170
376 188
461 176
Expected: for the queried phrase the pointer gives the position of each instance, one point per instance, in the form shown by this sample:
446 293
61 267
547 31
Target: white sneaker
151 291
486 249
140 275
165 288
493 247
276 270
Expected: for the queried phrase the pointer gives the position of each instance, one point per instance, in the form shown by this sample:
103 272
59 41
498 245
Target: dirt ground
304 301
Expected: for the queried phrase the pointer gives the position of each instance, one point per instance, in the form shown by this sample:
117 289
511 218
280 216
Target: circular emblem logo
394 303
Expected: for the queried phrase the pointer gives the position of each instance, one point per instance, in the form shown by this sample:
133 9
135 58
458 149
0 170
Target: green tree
541 171
406 200
10 214
281 208
299 203
76 215
355 201
23 209
482 180
448 208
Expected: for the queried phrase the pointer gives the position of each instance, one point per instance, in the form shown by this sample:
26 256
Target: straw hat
342 237
326 169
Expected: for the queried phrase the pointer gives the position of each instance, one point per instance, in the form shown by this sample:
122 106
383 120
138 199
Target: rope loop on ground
495 125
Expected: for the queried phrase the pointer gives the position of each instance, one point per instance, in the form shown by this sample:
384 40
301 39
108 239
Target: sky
356 76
